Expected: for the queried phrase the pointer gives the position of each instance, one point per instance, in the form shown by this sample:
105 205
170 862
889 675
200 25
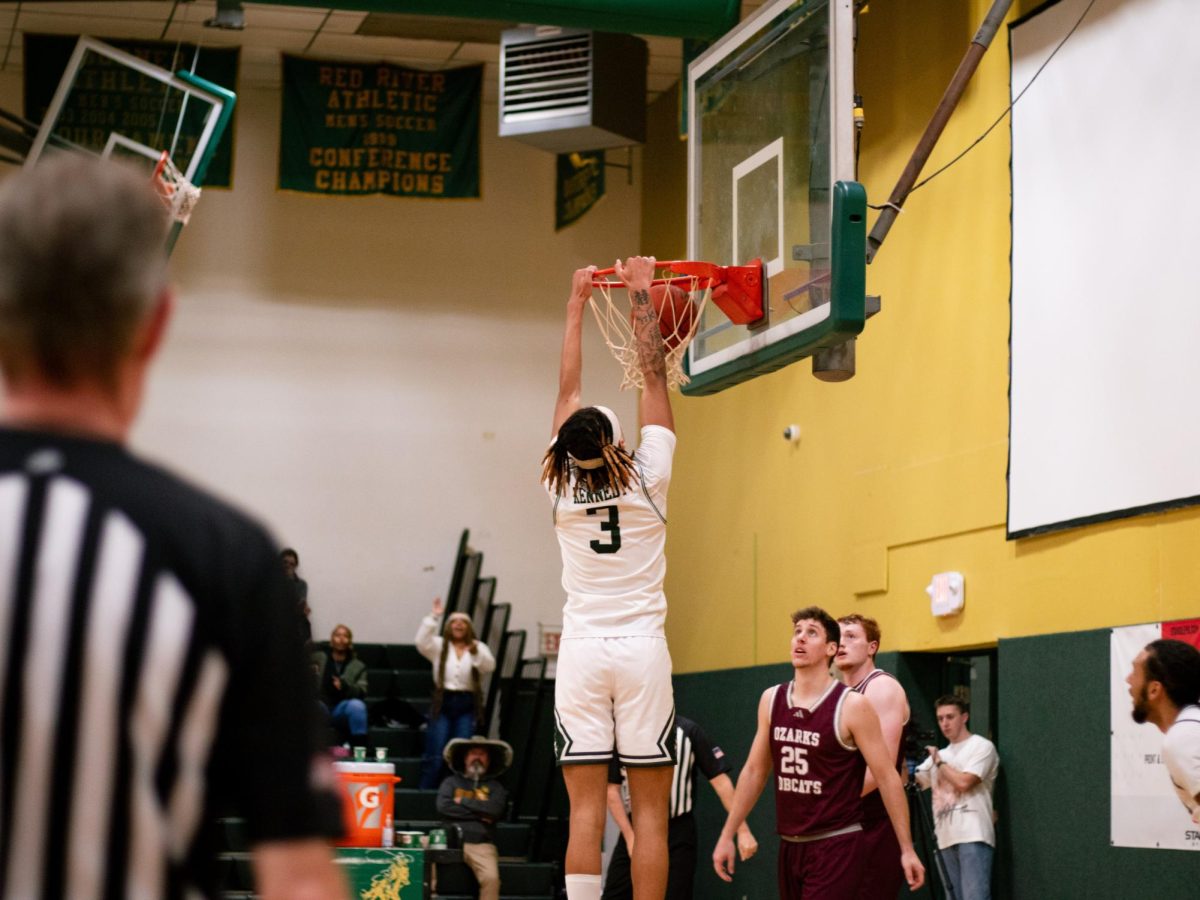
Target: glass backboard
113 103
770 177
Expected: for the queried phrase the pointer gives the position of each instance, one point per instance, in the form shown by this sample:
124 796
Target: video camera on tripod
913 743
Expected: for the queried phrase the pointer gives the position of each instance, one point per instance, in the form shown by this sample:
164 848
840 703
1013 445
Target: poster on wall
578 185
122 104
1146 812
374 128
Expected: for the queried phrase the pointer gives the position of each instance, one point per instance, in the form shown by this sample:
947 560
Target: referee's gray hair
82 260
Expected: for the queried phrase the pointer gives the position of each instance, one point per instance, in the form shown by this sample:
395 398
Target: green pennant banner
580 183
110 104
375 128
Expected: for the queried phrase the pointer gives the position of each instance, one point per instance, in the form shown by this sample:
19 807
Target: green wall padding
1052 795
725 704
1054 758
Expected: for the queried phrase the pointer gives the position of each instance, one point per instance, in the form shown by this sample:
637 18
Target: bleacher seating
529 845
519 703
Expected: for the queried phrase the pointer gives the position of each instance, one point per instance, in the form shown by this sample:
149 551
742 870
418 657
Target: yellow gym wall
900 473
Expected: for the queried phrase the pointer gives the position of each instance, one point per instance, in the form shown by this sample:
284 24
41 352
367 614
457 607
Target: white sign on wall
1145 809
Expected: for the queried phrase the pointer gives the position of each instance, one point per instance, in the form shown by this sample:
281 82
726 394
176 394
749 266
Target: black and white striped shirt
693 748
149 667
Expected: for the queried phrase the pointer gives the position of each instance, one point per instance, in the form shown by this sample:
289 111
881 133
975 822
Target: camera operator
962 776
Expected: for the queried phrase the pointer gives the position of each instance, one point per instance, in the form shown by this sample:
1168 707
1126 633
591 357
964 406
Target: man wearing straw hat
471 798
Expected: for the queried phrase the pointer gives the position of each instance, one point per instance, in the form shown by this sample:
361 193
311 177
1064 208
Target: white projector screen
1105 366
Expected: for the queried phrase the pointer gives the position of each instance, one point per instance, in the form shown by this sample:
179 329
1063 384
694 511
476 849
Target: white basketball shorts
614 694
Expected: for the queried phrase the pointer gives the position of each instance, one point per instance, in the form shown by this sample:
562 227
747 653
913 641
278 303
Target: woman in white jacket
460 661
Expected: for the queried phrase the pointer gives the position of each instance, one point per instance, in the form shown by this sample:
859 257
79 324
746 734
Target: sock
583 887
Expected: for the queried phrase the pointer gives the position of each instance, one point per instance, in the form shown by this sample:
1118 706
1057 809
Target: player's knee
488 878
585 822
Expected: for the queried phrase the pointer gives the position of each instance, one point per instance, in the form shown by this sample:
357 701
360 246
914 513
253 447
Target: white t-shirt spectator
963 818
1181 753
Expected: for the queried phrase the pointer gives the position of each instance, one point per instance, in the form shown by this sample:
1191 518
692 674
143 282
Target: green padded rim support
229 98
847 301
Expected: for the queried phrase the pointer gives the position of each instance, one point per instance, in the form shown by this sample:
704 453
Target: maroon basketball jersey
873 808
818 779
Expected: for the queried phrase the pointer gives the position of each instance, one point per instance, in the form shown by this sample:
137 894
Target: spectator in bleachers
291 562
460 661
342 685
471 798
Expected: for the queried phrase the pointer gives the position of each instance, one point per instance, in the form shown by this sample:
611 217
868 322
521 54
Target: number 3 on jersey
612 525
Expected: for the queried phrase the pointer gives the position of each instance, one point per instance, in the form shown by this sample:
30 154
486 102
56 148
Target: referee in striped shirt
149 663
693 749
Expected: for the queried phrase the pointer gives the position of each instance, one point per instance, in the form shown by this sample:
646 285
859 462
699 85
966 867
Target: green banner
375 128
579 184
113 105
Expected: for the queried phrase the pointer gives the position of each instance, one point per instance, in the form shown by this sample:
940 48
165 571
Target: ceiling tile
288 39
467 52
302 19
51 23
272 29
157 10
357 45
435 28
344 22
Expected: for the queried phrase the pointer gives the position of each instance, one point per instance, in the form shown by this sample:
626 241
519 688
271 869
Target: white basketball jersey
613 548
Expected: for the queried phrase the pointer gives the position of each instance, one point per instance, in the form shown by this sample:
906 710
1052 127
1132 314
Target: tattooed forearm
652 358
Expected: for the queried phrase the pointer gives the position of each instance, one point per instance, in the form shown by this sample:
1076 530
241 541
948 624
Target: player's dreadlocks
585 445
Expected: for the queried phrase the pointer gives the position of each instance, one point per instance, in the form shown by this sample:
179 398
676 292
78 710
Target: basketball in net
678 301
677 313
178 194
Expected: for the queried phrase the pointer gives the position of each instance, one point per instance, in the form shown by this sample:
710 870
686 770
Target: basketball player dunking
855 661
612 692
819 737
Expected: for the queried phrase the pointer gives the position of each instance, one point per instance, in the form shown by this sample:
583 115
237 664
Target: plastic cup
360 754
381 754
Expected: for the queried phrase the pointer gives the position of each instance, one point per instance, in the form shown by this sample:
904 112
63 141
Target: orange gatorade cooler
368 800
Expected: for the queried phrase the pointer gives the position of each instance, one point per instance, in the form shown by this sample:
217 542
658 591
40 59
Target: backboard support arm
937 124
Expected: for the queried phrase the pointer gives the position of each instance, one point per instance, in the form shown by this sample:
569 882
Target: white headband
616 439
614 422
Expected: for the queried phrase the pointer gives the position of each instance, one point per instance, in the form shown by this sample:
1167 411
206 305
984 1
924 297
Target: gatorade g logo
368 797
367 802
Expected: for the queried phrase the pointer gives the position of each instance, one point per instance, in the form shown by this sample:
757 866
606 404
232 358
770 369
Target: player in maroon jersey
819 737
855 662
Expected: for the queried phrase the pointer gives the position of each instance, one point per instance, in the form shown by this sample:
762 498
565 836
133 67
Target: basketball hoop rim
700 274
161 165
736 290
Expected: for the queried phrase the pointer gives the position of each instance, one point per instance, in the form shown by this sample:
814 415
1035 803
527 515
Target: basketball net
615 318
178 194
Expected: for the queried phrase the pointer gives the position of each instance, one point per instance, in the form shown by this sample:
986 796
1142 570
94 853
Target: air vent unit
565 90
